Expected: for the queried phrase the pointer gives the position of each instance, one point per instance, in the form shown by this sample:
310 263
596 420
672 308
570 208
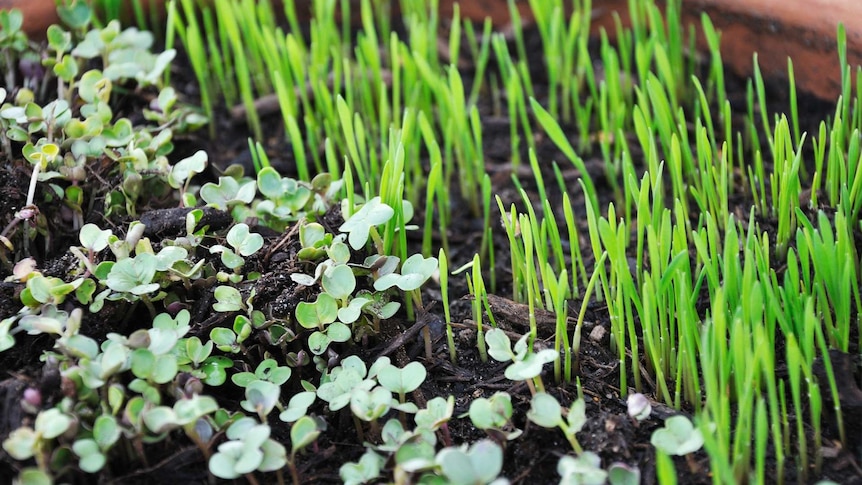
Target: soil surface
530 459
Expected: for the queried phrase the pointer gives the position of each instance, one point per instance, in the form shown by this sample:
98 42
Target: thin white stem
34 178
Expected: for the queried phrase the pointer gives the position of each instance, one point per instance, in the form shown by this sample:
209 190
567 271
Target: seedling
93 240
303 432
227 193
228 299
323 311
364 222
638 406
415 457
268 370
363 471
183 171
585 469
494 416
161 419
370 405
321 315
242 242
25 442
261 398
546 411
480 463
414 272
147 365
288 199
339 282
42 290
7 341
622 474
297 406
231 339
90 451
213 368
341 382
401 380
677 437
436 415
134 275
395 439
250 449
526 365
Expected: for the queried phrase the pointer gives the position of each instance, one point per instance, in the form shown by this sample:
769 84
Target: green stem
539 385
571 437
378 242
294 473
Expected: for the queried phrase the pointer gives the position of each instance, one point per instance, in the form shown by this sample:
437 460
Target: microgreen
585 469
677 437
182 172
133 275
250 448
526 364
24 442
444 291
297 406
358 227
341 382
401 380
365 470
480 463
622 474
260 397
436 414
231 339
369 405
242 243
227 193
317 314
414 272
638 406
494 415
268 370
552 128
546 411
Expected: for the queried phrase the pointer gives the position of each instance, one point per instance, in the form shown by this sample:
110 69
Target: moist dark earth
530 459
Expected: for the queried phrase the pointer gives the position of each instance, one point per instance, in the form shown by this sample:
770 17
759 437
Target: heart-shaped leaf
481 463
